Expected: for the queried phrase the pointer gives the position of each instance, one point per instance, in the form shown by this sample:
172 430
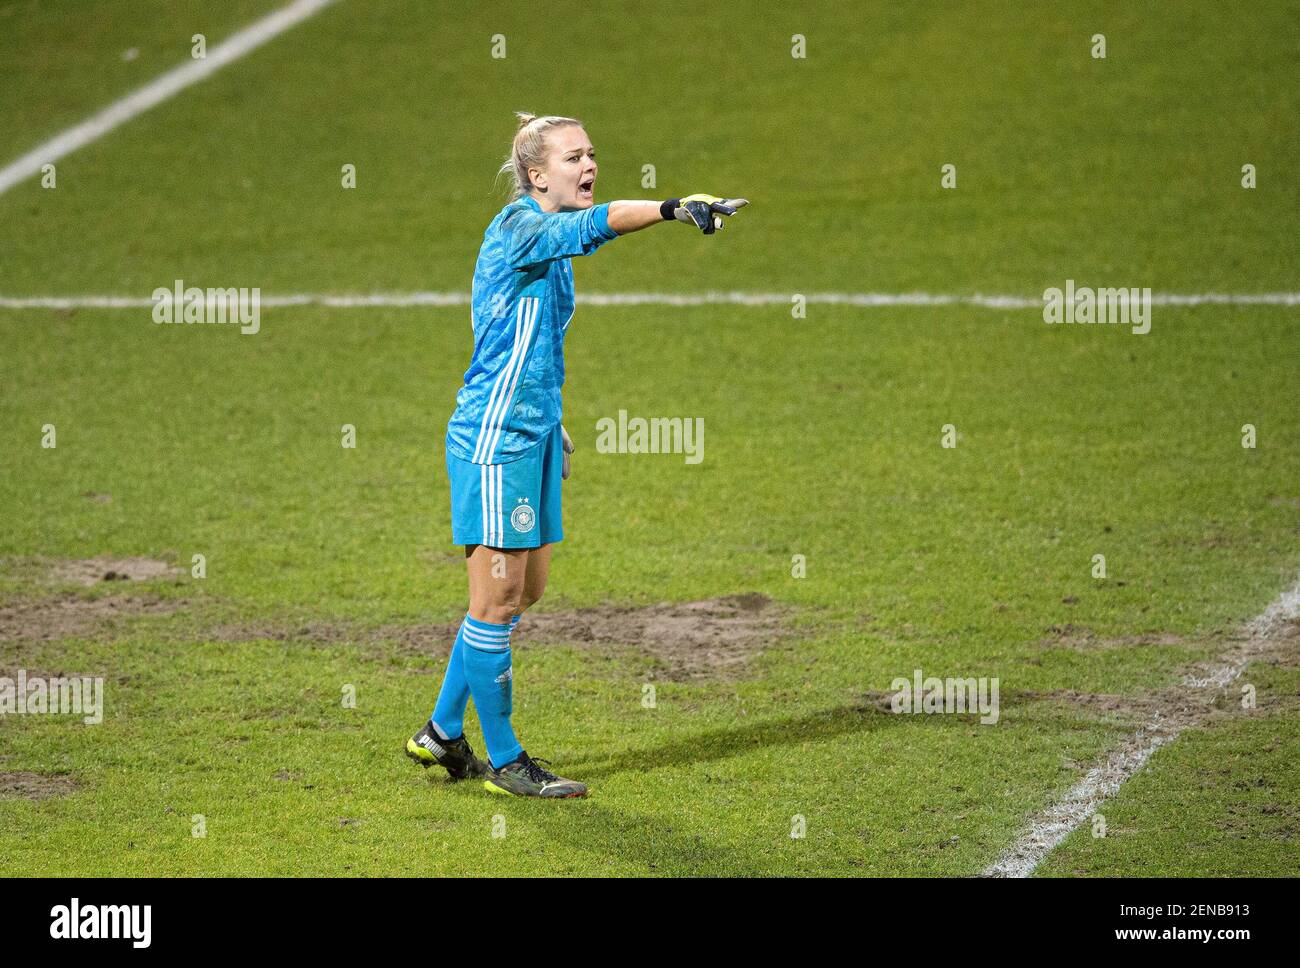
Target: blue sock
487 667
448 716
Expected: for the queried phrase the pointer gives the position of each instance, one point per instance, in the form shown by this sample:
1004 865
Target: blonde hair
529 148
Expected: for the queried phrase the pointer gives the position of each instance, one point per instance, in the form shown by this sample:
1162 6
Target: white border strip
869 299
1063 817
158 90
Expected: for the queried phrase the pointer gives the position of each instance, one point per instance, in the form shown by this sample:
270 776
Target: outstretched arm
632 216
532 237
702 211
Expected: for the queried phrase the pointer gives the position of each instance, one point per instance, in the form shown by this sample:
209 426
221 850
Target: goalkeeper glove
703 211
567 444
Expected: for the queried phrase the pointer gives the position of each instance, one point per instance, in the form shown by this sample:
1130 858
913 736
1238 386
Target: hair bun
525 119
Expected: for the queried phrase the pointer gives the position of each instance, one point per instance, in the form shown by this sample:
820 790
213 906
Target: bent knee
499 609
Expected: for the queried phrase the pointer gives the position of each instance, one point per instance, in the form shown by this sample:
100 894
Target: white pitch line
1061 818
867 299
159 90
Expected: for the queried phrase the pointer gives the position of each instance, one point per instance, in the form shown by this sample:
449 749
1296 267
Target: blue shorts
514 505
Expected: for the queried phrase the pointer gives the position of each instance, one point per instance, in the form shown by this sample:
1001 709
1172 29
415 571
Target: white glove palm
567 443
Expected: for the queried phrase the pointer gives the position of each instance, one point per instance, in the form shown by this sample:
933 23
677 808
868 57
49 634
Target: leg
496 580
487 501
523 776
535 576
497 577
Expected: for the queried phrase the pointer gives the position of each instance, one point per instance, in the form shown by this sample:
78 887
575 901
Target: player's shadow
655 846
872 712
717 744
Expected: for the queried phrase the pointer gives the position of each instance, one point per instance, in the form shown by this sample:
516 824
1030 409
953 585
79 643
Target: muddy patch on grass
688 640
1175 708
691 640
34 786
94 571
1208 692
71 616
1277 645
1207 688
1078 638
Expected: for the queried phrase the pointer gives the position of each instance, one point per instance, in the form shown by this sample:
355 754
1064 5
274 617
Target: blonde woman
506 450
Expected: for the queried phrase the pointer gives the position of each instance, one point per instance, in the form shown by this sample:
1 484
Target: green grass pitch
823 437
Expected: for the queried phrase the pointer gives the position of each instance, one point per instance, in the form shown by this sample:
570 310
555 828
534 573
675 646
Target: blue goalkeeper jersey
521 306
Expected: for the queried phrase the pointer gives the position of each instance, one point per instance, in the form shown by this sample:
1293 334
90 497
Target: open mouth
585 186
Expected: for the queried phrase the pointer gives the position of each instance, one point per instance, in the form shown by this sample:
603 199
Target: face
569 178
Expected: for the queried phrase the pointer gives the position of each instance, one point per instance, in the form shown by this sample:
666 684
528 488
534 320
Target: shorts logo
523 517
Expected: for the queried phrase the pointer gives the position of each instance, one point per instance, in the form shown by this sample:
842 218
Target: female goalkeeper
506 450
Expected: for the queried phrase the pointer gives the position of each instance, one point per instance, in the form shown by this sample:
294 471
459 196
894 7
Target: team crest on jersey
523 517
